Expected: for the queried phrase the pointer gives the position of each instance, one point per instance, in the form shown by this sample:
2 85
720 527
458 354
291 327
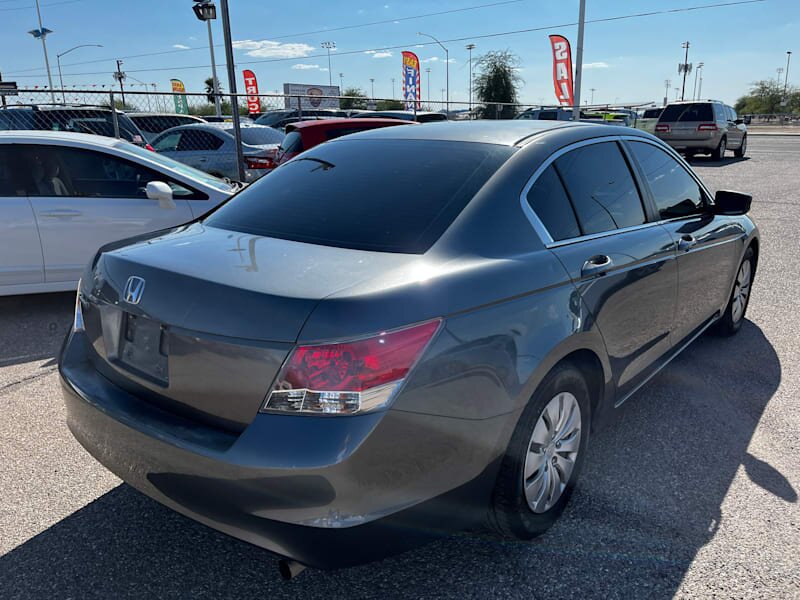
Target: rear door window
675 192
601 187
548 199
193 140
326 196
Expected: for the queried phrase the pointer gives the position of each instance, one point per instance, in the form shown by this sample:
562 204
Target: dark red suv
306 134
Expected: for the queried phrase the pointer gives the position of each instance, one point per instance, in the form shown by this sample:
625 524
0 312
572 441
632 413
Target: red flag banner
411 80
562 70
251 89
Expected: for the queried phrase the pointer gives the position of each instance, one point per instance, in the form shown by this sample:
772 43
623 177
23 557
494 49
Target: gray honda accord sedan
402 332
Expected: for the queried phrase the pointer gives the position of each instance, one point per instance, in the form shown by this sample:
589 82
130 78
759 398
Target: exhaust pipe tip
289 569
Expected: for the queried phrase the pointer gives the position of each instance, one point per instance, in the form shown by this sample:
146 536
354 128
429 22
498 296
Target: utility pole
786 80
593 90
684 68
119 75
470 47
667 83
696 73
237 126
41 34
329 46
576 110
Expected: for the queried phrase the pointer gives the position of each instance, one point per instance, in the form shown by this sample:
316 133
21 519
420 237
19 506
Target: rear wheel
719 153
545 456
739 152
733 317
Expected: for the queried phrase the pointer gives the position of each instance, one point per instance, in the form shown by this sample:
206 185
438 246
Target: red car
303 135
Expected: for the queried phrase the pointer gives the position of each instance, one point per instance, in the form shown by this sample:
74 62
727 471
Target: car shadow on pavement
649 499
708 161
33 327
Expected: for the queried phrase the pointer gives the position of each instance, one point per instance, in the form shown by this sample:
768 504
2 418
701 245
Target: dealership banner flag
251 89
179 96
562 70
411 80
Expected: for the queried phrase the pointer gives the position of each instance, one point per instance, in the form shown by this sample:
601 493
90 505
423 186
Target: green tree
497 82
389 105
767 97
356 98
209 85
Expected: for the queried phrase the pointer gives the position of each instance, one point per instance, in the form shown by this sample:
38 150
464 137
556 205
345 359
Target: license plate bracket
144 348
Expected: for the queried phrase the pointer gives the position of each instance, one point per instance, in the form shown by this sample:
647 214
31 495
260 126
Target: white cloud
180 46
370 51
596 65
270 49
431 59
382 54
304 67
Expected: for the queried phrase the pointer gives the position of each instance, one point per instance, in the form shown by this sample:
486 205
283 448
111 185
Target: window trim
645 192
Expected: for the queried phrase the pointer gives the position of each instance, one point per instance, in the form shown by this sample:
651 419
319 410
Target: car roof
164 114
501 132
335 122
37 136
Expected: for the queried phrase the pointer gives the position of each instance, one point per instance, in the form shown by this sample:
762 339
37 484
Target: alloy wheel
741 291
552 452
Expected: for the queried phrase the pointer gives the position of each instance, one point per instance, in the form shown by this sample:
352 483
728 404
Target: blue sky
627 60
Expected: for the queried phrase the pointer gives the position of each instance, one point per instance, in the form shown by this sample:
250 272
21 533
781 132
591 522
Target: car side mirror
739 121
158 190
731 203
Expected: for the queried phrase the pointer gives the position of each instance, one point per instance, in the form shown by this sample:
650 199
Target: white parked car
63 195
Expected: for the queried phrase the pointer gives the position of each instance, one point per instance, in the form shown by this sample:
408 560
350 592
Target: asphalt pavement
692 493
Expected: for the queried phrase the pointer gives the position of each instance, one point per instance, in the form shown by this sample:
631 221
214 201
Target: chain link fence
188 127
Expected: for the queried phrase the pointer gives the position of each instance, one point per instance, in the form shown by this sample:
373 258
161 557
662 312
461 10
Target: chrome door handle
686 242
596 265
61 213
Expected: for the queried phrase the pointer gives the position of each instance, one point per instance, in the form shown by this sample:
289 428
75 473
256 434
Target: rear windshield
367 194
258 136
159 123
700 111
652 113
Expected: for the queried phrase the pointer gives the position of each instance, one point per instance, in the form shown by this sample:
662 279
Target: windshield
181 168
327 196
259 136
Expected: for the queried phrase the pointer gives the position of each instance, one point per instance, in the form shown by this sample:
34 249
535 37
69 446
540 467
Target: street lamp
428 76
372 83
696 73
206 10
446 64
341 83
58 60
392 88
786 80
470 47
329 46
41 34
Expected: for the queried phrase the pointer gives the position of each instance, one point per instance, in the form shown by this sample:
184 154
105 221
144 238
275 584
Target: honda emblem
134 288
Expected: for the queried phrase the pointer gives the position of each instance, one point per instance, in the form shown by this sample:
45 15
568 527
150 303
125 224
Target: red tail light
149 147
663 128
707 127
348 377
258 162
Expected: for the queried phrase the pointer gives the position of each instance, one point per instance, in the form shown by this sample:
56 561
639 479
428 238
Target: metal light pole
576 110
329 46
470 47
696 73
341 83
372 84
677 91
392 88
786 80
41 34
700 86
685 68
667 83
205 10
593 90
446 64
237 126
428 74
58 60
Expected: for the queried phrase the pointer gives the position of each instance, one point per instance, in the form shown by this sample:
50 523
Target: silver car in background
211 147
704 127
63 195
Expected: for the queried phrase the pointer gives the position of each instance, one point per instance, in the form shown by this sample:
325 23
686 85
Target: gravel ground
691 494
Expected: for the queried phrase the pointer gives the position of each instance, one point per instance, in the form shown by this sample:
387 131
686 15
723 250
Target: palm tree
210 89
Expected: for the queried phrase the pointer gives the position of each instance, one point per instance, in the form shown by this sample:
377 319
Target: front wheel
544 457
739 152
733 317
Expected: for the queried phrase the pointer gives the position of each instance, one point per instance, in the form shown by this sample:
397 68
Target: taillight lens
258 162
707 127
77 321
346 378
663 128
149 147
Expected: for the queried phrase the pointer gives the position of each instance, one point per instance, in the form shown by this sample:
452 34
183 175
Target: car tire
719 152
512 515
739 152
733 317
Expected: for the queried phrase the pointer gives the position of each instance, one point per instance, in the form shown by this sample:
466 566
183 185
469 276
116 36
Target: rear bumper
327 492
708 143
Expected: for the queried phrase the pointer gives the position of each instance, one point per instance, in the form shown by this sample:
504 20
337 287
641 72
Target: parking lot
693 492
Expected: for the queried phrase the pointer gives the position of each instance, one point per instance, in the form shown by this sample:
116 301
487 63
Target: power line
31 6
452 40
290 35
